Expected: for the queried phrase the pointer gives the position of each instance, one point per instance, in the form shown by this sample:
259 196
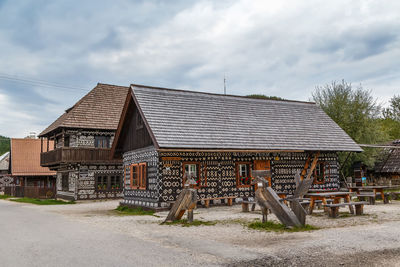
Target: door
263 165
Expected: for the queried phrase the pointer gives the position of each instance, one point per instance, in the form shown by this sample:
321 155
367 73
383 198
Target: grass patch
185 223
122 210
42 201
278 227
392 190
4 196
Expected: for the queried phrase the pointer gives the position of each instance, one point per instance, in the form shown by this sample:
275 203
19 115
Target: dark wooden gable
132 131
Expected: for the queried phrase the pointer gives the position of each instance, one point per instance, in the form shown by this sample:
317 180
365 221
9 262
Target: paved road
29 237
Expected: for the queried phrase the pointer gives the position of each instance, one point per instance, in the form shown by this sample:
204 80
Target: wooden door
263 165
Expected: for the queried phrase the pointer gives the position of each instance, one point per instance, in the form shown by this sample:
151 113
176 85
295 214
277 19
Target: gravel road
32 237
92 234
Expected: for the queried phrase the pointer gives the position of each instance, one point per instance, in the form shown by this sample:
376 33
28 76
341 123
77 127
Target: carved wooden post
186 201
268 199
264 214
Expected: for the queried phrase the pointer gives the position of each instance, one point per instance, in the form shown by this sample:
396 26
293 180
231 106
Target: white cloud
282 48
13 122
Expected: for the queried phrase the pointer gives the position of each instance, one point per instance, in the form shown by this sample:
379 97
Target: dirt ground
372 239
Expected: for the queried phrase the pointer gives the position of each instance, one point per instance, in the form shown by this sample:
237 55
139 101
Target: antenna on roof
224 84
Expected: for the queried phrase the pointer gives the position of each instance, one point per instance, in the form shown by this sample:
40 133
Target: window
320 172
102 141
101 182
139 175
193 169
106 182
65 181
115 182
66 141
139 121
243 177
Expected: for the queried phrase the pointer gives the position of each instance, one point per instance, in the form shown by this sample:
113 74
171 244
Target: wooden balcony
76 155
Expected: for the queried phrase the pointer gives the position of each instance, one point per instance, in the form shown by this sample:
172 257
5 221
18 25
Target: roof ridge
115 85
221 95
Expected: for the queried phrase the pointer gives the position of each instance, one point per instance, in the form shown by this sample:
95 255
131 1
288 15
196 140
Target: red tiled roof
25 157
100 109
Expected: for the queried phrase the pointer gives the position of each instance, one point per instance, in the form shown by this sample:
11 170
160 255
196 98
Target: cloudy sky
53 52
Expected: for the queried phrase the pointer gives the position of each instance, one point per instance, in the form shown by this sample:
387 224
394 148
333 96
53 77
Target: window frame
325 174
103 140
237 174
141 175
118 183
107 180
199 173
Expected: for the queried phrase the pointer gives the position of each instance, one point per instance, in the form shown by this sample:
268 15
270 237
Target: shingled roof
195 120
25 157
100 109
390 159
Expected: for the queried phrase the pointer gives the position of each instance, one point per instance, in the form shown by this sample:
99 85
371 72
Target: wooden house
388 166
5 178
5 163
25 166
164 134
82 137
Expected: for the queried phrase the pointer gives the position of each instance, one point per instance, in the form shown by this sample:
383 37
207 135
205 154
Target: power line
37 82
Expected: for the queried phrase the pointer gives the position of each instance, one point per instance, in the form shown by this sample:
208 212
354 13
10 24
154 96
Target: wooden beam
186 200
63 137
304 171
268 199
226 150
313 165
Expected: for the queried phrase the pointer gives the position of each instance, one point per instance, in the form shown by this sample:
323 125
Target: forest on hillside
4 144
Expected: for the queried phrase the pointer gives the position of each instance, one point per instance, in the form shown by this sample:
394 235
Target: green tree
4 144
391 118
356 112
393 111
259 96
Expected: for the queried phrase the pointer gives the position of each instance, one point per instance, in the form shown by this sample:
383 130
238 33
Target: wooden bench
334 208
394 195
228 200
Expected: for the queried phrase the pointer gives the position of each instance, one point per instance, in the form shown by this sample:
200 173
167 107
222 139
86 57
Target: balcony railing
76 155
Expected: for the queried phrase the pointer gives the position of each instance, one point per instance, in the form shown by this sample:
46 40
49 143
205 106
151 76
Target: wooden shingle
195 120
99 109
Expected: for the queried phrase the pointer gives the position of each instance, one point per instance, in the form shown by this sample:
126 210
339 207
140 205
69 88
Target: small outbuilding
388 166
25 166
164 134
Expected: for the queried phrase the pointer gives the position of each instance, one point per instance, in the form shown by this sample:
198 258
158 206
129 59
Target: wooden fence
30 191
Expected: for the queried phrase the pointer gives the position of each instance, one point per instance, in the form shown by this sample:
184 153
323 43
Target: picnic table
375 188
335 195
